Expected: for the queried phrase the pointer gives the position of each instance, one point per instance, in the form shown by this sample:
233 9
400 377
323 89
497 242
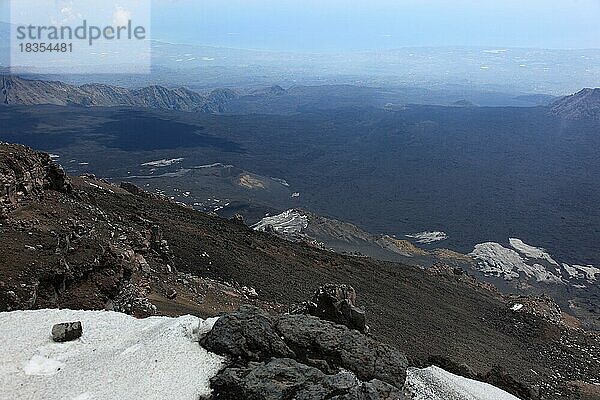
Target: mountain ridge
584 104
21 91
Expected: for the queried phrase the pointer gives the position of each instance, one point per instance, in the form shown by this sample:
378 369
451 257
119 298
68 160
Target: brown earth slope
85 243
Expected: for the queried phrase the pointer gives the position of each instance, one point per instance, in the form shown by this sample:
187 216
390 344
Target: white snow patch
434 383
495 259
428 237
517 307
530 251
162 163
213 165
99 187
40 365
118 357
582 272
281 181
84 396
290 221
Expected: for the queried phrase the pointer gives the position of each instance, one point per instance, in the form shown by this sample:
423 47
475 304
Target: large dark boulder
339 347
251 334
248 334
337 303
498 377
284 378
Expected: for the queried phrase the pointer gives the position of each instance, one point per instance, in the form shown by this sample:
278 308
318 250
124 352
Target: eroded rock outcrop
299 356
284 378
337 303
25 174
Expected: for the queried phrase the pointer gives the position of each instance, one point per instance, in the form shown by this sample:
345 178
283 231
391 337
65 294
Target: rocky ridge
303 357
15 90
73 254
584 104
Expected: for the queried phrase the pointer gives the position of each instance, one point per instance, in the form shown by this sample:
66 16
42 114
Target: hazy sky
336 25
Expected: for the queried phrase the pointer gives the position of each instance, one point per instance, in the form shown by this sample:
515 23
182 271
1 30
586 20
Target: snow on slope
582 272
527 261
428 237
495 259
118 357
434 383
290 221
162 163
530 251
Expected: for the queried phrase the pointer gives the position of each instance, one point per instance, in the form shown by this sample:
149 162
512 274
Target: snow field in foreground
118 357
434 383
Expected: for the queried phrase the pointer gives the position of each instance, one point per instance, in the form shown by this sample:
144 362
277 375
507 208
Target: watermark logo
80 36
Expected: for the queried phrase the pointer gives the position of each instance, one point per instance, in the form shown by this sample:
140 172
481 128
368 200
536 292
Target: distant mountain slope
39 89
584 104
15 90
343 237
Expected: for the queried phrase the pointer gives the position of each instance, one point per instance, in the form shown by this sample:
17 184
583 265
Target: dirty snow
281 181
495 259
428 237
530 251
527 261
214 165
582 272
118 357
434 383
99 187
290 221
162 163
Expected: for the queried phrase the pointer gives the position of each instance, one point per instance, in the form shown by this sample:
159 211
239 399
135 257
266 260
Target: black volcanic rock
339 347
584 104
337 303
251 334
248 333
280 379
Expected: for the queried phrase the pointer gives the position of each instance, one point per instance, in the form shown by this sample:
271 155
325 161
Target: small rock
67 331
337 303
249 292
238 219
171 294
